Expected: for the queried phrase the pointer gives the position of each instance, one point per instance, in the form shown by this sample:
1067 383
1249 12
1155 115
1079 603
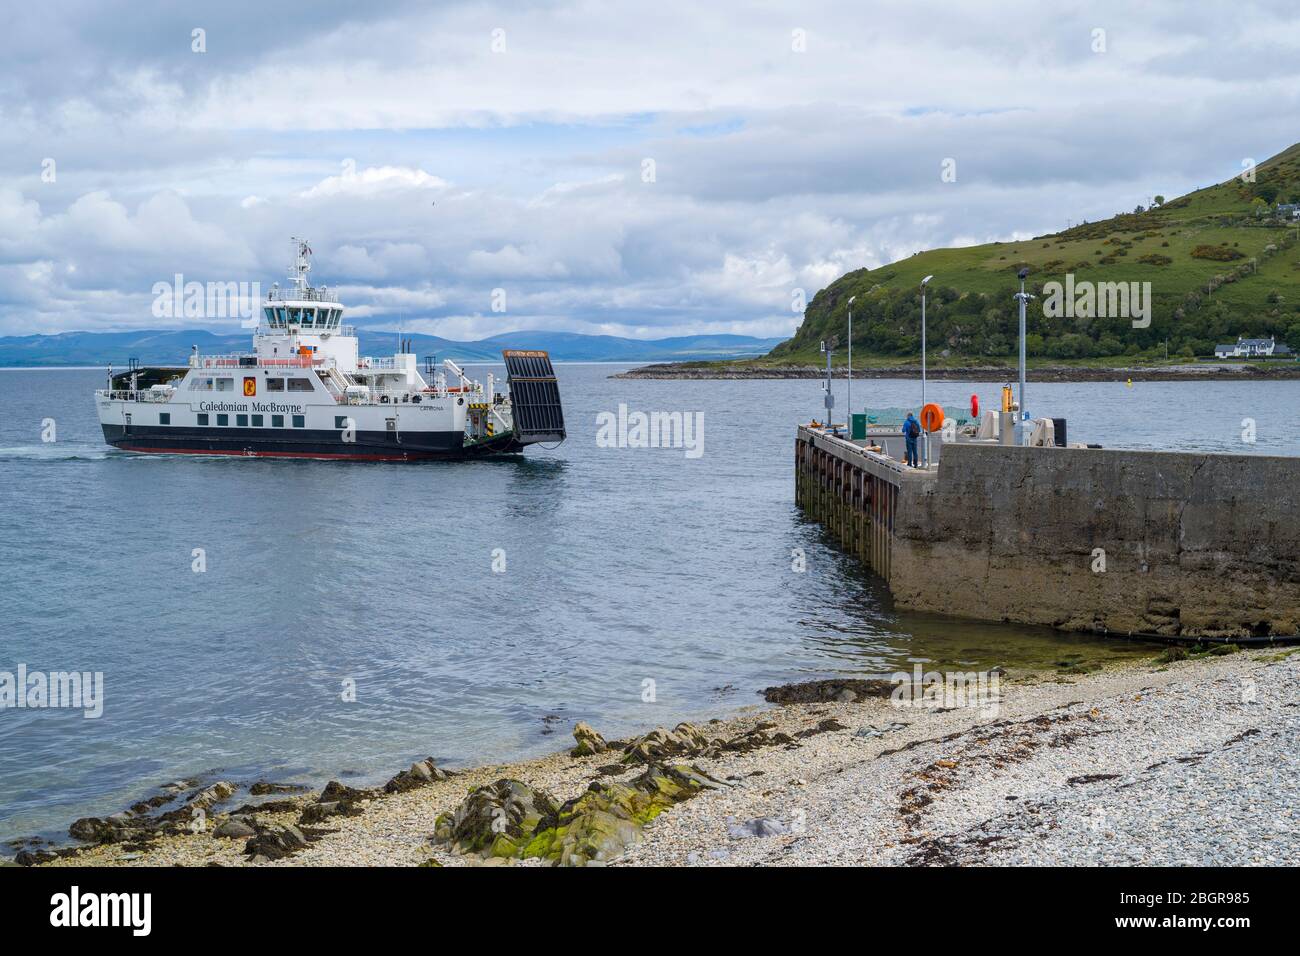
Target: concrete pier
1173 545
852 492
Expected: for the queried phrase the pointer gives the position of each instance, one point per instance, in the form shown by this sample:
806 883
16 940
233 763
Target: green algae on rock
497 819
509 819
589 741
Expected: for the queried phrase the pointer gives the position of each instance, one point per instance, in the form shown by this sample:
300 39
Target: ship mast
301 266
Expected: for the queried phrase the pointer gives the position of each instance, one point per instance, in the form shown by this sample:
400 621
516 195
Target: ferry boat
304 392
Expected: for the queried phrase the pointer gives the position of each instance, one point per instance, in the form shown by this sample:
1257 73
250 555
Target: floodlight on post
828 346
1022 297
926 435
848 400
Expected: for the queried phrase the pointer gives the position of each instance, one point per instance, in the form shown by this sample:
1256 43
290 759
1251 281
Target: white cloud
370 182
429 170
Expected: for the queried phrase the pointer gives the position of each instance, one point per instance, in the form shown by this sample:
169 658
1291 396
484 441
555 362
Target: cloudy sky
627 168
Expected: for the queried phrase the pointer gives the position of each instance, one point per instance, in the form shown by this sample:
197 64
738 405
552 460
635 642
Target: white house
1251 348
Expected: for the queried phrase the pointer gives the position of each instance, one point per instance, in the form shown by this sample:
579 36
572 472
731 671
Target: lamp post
828 346
849 396
1021 414
924 432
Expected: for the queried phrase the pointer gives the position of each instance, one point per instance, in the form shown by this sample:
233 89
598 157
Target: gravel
1191 763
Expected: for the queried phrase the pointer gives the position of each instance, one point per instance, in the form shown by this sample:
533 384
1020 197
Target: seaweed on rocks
511 820
417 775
827 691
275 842
264 788
588 740
683 740
136 827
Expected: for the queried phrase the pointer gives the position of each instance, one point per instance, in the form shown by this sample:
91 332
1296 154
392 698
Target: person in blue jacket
911 432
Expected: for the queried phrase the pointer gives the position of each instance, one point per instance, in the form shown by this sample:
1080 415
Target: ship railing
132 395
381 364
394 396
238 361
295 328
401 396
307 294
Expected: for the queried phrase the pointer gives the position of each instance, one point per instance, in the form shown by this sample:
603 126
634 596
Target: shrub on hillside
1217 253
1155 259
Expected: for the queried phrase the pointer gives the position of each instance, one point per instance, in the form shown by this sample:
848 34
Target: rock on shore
511 820
1159 761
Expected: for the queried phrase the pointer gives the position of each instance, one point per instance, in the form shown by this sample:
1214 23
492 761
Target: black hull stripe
298 443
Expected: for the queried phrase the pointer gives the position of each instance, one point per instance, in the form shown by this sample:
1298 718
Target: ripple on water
637 584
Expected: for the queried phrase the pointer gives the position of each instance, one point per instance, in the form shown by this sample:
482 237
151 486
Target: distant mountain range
172 347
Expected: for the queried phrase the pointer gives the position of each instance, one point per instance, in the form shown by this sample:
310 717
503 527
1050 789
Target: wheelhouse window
270 316
308 318
275 385
281 317
300 385
299 421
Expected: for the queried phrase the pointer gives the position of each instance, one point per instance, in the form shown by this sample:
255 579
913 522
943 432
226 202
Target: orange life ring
931 417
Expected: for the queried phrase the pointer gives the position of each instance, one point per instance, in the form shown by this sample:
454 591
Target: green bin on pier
858 425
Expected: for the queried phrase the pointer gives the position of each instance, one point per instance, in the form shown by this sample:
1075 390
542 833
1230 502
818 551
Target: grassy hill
1220 261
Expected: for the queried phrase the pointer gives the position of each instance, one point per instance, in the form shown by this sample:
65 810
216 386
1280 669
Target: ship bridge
301 322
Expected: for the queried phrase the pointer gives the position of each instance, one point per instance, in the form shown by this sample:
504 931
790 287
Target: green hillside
1222 262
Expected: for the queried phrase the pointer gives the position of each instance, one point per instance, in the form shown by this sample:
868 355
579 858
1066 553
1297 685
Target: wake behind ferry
304 392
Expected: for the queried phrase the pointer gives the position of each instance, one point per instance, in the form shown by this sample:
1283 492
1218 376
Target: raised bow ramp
535 396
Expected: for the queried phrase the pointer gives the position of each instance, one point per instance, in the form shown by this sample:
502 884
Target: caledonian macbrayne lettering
274 407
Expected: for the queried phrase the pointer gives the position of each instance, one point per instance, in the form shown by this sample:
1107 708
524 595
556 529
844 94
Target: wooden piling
851 492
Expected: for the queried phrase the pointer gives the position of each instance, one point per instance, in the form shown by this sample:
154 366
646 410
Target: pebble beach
1191 762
